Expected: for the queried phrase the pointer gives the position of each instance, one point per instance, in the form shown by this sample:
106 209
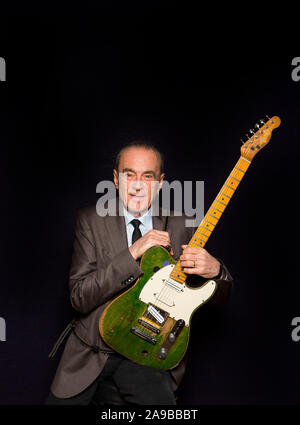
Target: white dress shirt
145 226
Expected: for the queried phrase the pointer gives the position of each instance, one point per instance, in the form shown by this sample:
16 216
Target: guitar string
166 289
165 295
168 294
148 314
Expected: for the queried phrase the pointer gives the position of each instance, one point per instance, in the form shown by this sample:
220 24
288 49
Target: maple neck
214 213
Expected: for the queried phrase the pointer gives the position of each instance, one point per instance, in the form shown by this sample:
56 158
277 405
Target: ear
162 176
116 178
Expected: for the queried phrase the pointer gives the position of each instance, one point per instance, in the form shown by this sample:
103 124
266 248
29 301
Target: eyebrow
145 172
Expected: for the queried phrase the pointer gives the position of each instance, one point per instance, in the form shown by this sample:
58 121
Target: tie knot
136 223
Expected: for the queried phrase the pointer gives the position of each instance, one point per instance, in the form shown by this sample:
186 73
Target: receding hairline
140 145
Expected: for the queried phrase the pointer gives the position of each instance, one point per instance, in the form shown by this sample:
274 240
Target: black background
81 84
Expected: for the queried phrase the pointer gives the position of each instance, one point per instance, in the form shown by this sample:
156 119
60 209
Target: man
105 262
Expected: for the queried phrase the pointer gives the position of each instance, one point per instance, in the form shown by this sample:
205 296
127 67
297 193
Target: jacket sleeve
94 277
224 283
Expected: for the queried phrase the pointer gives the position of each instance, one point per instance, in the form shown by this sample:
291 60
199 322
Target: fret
177 274
217 214
179 278
239 169
202 243
214 213
241 165
227 196
237 174
212 216
204 234
221 198
203 238
220 205
221 202
234 177
210 225
229 188
216 209
232 183
206 228
226 191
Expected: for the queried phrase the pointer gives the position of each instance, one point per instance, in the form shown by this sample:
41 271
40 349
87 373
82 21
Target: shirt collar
144 219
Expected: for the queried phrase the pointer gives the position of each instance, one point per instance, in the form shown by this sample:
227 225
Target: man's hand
151 238
198 261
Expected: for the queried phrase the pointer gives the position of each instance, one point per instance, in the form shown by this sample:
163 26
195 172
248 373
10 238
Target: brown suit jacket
102 267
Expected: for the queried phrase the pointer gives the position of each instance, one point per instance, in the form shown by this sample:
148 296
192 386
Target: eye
148 176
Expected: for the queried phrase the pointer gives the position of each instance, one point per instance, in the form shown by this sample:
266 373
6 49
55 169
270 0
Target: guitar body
150 323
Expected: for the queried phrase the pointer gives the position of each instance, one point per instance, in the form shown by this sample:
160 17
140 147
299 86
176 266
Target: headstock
259 137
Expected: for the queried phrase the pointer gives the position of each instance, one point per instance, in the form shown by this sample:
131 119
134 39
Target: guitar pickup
149 324
142 335
156 314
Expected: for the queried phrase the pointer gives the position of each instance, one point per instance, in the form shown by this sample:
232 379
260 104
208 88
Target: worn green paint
123 313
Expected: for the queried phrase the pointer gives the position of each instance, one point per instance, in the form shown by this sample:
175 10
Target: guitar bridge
142 335
148 324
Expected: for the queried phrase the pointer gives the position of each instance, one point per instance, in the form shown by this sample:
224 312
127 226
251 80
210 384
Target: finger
193 249
187 257
188 263
161 233
190 270
155 240
159 241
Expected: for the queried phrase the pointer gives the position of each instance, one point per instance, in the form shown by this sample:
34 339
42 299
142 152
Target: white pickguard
177 299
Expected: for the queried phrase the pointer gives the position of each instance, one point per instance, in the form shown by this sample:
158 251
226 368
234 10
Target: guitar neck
218 206
214 213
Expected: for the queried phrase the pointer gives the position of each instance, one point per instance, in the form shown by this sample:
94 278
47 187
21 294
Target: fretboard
214 213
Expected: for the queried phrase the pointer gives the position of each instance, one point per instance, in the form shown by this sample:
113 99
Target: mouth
135 196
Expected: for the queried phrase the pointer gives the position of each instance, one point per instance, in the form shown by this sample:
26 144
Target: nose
137 185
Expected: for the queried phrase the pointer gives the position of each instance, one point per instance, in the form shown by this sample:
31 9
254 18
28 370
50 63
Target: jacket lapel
159 221
116 229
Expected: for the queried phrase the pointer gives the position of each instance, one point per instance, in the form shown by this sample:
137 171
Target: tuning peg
242 141
268 117
262 122
256 126
252 131
247 135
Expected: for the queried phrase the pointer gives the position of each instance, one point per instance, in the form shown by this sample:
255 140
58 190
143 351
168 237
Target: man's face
138 179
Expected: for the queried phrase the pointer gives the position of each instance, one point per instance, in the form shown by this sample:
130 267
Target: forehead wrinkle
141 156
134 171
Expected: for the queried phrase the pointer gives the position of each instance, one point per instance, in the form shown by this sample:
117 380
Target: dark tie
136 233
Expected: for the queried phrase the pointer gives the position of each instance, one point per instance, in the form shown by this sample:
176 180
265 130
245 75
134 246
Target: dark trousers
123 382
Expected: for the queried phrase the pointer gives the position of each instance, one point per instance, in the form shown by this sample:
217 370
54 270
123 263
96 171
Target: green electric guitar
150 322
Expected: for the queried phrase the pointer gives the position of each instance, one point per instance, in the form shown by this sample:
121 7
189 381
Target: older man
105 262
